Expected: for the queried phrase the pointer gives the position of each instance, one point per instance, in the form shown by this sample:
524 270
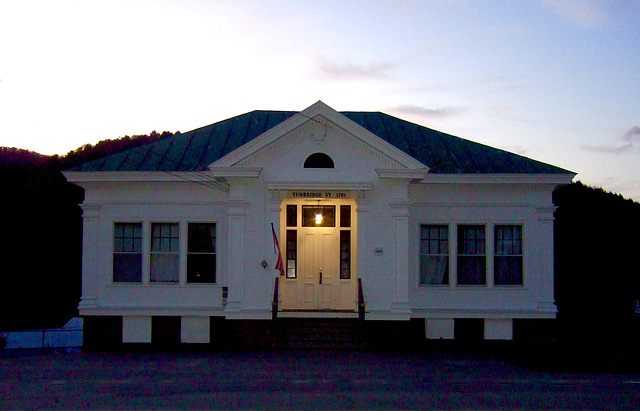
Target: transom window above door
319 216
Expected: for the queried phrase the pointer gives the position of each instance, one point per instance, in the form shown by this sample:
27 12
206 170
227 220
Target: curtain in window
434 269
508 255
164 252
434 254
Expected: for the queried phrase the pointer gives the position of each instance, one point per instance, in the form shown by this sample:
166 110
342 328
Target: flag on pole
276 249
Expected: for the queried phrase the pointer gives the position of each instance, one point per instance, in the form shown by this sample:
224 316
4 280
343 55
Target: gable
354 152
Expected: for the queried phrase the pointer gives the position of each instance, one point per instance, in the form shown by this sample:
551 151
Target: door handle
320 276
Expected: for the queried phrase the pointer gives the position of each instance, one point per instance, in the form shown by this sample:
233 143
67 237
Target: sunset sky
558 81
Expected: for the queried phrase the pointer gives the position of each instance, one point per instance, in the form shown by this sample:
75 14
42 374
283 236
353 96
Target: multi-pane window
127 252
471 255
292 251
345 254
292 215
201 253
434 254
508 255
345 216
165 253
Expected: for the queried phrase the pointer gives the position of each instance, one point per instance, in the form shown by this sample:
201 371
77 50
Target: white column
237 210
400 215
364 258
90 249
236 255
274 210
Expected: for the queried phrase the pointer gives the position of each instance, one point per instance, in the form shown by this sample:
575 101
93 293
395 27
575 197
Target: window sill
421 286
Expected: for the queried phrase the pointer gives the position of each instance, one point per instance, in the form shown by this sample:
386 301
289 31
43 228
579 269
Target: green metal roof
442 153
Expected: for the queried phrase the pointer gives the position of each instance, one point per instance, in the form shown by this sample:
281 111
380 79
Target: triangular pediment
319 129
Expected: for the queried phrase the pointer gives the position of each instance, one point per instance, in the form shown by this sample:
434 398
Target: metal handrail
274 304
361 303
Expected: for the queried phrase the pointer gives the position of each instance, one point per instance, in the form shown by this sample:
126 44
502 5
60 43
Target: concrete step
314 333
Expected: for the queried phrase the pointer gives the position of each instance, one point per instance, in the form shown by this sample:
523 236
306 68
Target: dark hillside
41 246
597 275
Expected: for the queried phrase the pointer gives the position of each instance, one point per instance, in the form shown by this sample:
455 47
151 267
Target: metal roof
442 153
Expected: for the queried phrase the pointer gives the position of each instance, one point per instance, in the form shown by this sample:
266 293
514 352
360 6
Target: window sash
291 254
508 267
165 256
472 264
165 268
127 267
127 252
508 240
345 254
328 216
434 255
434 269
472 270
508 270
345 216
201 253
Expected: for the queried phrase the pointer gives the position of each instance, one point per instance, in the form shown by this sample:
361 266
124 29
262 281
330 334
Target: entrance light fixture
318 218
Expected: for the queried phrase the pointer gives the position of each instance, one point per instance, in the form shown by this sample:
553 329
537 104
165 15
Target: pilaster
90 246
237 212
400 215
545 259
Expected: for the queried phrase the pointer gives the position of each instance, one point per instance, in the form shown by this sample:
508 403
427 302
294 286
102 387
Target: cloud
633 134
432 113
349 71
403 8
506 113
607 149
588 14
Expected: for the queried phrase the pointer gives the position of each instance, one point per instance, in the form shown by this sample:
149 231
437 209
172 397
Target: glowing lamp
318 219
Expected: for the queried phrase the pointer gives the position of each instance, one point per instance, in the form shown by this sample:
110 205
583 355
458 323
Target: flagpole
274 244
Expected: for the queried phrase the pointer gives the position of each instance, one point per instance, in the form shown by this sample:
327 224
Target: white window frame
448 255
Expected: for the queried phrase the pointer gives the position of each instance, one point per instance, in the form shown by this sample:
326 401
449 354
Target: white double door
318 285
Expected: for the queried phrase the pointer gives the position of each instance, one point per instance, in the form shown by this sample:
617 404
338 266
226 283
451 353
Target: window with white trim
165 253
472 260
507 260
201 253
127 252
434 255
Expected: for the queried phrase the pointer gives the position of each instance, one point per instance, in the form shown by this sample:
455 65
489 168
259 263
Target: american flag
276 249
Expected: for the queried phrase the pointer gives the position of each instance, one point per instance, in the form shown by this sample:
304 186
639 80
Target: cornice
413 174
318 185
547 179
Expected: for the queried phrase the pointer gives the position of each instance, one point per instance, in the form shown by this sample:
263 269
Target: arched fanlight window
318 160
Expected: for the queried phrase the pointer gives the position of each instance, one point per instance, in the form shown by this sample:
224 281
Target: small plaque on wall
378 251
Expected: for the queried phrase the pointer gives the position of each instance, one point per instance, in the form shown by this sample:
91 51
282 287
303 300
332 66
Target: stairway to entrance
319 333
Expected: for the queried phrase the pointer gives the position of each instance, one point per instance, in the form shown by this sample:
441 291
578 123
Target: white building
435 227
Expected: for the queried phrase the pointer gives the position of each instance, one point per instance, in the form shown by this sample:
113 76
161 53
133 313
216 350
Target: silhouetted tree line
41 246
597 272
